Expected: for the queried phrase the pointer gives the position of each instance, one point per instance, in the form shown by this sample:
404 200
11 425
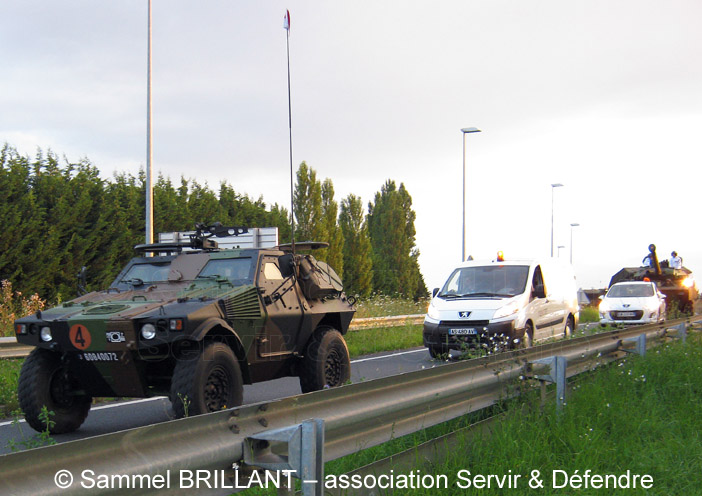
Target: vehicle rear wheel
208 383
45 381
326 362
569 327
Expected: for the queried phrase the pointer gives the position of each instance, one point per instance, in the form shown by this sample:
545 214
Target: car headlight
432 312
45 334
507 310
148 331
604 308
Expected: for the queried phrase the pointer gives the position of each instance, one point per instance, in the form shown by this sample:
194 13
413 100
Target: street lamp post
574 224
465 130
553 186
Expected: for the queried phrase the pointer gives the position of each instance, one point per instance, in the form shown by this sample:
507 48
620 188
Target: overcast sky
602 96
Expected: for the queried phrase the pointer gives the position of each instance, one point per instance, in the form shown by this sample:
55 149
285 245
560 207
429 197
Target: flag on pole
286 20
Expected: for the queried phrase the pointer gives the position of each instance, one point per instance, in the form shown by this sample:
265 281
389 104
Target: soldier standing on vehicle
647 261
675 260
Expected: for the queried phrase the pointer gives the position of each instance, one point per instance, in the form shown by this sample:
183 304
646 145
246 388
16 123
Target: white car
634 302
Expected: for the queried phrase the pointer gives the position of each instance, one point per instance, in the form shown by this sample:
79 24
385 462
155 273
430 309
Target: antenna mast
286 25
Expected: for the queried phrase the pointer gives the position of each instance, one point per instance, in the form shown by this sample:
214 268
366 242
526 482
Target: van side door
539 306
555 297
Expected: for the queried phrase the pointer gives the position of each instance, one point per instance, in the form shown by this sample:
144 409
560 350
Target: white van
502 304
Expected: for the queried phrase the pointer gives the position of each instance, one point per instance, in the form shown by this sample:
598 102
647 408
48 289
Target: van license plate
462 332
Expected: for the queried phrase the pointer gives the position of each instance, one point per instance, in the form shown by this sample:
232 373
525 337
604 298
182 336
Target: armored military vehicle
677 285
192 322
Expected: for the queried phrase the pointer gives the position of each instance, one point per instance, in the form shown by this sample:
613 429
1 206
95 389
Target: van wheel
326 363
568 331
528 338
439 352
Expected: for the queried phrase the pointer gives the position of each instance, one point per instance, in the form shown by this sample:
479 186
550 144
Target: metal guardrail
355 417
10 348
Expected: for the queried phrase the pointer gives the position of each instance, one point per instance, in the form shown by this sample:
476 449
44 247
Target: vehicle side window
537 283
272 272
233 269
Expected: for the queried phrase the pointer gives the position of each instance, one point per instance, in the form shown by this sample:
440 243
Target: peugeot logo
463 315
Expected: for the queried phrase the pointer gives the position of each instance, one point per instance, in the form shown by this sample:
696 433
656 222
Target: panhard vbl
192 322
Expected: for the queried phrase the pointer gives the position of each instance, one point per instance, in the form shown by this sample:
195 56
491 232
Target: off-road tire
326 362
42 382
208 383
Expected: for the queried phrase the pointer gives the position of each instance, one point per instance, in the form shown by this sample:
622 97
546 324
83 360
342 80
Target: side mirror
287 265
434 292
601 297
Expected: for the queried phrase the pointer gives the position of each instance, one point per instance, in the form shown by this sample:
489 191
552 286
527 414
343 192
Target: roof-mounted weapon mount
199 240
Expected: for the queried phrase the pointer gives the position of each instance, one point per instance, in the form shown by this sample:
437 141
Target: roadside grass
589 314
386 306
367 341
9 375
639 415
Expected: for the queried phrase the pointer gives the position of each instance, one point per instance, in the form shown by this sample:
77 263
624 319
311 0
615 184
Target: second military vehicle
191 322
678 285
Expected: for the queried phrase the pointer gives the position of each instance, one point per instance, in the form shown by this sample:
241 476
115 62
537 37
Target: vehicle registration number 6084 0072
462 331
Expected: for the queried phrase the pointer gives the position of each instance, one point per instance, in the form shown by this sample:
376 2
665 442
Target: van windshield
486 281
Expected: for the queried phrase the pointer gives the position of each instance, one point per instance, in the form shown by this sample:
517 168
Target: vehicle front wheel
45 382
208 383
439 352
326 362
527 340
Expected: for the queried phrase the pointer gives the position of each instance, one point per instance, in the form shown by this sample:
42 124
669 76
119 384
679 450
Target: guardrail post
640 347
558 365
682 331
299 452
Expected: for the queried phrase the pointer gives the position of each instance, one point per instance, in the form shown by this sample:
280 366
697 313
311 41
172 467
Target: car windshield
146 273
487 280
236 270
630 291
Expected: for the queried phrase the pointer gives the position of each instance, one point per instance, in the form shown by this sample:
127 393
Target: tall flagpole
286 25
149 150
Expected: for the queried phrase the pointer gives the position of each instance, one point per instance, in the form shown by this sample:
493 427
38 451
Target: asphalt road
123 415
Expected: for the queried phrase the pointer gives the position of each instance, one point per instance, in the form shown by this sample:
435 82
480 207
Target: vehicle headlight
45 334
507 310
604 308
689 281
432 312
148 331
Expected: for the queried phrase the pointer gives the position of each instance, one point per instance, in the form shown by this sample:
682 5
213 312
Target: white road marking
387 356
102 407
